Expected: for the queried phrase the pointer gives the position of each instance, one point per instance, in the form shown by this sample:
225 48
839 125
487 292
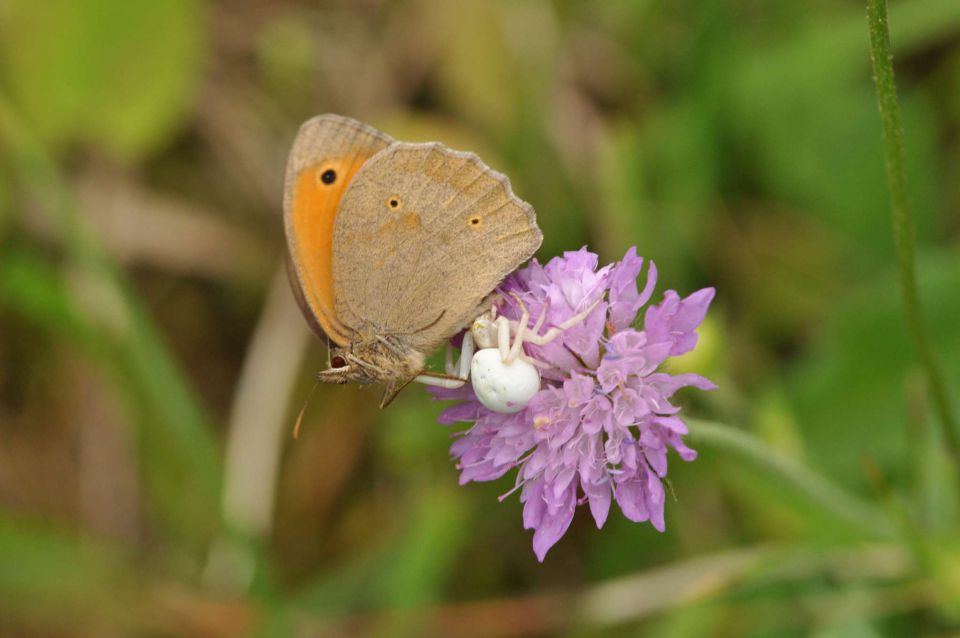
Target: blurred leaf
421 563
830 159
109 72
29 286
849 396
179 455
405 571
6 198
175 449
936 475
805 109
691 621
848 628
287 53
781 270
734 141
627 217
474 75
658 184
775 423
781 471
410 442
560 200
46 569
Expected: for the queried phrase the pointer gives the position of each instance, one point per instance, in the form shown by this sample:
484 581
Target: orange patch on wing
314 212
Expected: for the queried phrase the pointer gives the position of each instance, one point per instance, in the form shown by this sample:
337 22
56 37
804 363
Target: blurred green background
152 363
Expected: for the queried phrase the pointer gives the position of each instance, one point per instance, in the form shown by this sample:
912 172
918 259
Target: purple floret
600 427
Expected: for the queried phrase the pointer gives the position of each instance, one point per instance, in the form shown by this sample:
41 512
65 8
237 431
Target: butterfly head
375 359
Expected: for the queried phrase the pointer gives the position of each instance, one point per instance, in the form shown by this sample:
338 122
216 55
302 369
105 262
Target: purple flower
599 429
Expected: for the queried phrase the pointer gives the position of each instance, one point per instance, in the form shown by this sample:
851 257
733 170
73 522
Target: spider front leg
556 331
511 351
458 373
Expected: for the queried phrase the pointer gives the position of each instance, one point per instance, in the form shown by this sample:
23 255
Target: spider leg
503 337
535 362
448 365
556 331
439 380
543 315
466 355
516 349
457 374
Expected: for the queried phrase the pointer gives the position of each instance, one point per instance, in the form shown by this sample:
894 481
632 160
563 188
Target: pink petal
553 525
599 495
630 498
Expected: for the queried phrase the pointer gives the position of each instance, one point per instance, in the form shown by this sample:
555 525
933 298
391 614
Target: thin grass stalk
829 496
903 230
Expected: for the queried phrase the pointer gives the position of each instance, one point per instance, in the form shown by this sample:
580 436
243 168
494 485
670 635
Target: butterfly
394 247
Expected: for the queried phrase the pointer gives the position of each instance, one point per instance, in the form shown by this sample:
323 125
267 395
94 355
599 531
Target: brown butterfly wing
310 206
424 235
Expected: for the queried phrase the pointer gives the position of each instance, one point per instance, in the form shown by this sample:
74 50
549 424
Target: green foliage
90 303
736 144
115 74
851 393
44 568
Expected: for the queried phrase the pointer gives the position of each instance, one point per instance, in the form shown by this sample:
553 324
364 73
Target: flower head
599 429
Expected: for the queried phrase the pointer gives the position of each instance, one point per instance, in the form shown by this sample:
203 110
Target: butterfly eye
329 176
338 362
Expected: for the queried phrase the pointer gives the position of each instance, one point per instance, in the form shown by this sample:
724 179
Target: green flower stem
903 231
831 497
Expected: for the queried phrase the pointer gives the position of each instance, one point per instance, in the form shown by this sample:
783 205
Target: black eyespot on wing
329 176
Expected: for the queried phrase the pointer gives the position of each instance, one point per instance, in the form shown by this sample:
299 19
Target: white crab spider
504 377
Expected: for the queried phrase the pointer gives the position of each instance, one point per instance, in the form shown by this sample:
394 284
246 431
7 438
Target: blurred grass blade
44 570
727 579
940 562
829 496
406 571
903 230
178 451
30 285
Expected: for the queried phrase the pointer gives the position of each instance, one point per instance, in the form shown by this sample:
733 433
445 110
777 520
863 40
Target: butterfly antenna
296 427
